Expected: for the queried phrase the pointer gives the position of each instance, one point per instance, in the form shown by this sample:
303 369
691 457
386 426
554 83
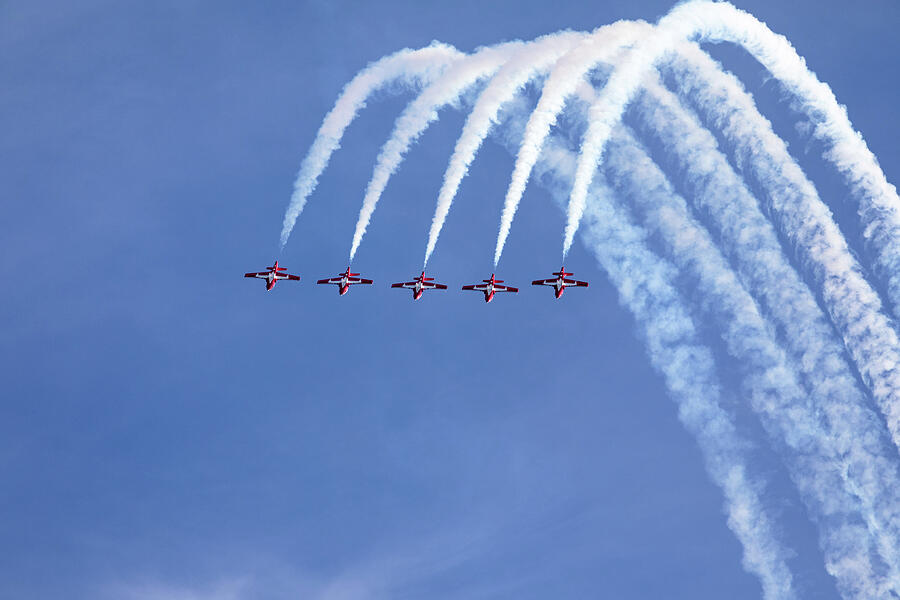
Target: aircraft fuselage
560 287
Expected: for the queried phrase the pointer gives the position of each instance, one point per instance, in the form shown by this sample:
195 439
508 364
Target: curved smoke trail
534 59
643 281
769 382
412 67
720 21
813 451
419 114
854 307
851 427
563 82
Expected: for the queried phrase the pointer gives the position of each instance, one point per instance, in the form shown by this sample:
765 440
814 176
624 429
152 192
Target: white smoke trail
722 22
411 67
680 24
420 113
534 59
852 304
568 73
785 410
703 20
643 281
879 205
855 433
688 370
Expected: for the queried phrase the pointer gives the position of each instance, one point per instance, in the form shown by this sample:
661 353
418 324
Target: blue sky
168 430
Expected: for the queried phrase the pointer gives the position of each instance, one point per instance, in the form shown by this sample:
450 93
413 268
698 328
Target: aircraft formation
559 282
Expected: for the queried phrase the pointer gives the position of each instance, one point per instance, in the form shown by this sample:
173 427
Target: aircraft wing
358 280
405 284
543 282
286 276
434 286
505 288
330 280
262 275
478 287
574 283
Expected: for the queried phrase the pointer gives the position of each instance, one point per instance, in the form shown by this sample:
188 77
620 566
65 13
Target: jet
272 275
560 283
489 287
345 280
419 285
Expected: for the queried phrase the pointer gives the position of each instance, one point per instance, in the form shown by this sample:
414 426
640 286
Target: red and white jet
419 285
272 275
345 280
560 282
489 287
